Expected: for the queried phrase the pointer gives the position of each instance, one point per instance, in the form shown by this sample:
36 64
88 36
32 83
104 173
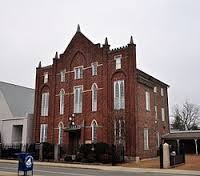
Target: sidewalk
2 173
110 168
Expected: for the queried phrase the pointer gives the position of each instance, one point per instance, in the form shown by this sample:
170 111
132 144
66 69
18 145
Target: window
62 101
118 61
46 77
78 99
163 114
94 68
119 98
94 97
156 112
119 131
147 95
45 104
146 139
158 139
94 131
43 132
60 133
78 72
155 89
62 76
162 92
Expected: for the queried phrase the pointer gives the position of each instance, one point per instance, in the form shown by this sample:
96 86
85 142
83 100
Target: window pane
94 132
45 104
162 92
62 98
62 76
147 94
94 97
77 99
116 95
156 113
163 114
146 140
45 77
122 102
118 62
94 68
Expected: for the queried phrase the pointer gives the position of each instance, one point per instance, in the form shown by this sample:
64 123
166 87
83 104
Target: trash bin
25 163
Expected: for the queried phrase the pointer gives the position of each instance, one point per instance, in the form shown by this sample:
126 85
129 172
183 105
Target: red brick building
94 94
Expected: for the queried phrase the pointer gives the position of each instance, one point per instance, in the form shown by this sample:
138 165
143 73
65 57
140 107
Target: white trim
60 132
94 136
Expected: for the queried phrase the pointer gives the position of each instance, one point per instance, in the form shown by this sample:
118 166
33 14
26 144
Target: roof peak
78 28
131 40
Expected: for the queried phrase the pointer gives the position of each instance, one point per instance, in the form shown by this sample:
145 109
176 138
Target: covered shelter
190 139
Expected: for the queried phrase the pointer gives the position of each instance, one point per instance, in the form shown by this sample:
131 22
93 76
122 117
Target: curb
110 168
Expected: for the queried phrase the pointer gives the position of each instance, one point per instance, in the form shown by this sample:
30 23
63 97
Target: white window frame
156 112
162 92
94 97
78 72
94 131
46 77
163 114
118 61
146 139
43 132
78 105
94 66
155 89
62 76
60 133
45 104
147 100
62 101
119 100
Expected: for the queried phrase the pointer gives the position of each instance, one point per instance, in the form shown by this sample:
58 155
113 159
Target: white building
16 113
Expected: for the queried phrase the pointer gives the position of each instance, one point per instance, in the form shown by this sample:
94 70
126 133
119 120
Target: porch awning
72 129
187 135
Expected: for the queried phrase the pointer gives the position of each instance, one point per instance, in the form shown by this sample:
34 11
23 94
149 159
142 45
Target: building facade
94 94
16 114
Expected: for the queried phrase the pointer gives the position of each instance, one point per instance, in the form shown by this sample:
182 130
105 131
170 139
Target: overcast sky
166 32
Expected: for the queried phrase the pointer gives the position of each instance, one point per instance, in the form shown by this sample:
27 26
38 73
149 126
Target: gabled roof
150 78
78 36
19 99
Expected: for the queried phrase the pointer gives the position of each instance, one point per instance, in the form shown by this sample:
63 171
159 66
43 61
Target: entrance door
74 142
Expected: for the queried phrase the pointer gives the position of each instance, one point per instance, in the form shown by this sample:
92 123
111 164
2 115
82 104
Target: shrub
67 158
91 157
79 156
105 158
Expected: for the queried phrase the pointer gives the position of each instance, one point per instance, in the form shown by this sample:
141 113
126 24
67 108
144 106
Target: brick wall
82 52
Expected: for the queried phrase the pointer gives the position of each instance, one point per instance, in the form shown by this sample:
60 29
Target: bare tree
187 117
